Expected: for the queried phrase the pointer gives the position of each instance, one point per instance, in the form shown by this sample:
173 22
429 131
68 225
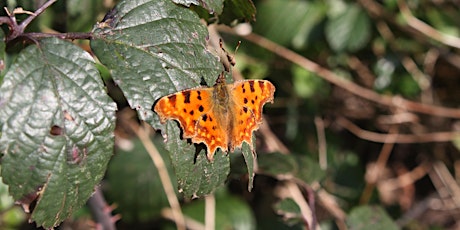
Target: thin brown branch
322 144
39 11
328 75
425 29
71 36
168 187
374 174
396 138
210 212
101 212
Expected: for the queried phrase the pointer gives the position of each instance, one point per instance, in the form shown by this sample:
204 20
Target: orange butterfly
222 116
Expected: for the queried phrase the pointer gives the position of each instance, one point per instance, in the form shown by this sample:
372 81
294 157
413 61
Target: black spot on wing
199 95
201 108
172 99
251 86
186 97
205 117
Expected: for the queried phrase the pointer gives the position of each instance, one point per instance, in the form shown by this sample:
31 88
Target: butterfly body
222 116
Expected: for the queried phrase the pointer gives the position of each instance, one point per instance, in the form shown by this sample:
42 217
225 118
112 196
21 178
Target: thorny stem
17 30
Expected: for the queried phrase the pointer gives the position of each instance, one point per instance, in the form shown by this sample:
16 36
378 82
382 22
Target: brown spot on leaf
56 130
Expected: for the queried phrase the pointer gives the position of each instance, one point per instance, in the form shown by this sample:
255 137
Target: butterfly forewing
249 97
193 110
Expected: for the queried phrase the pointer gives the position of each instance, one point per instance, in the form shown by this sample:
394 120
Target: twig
210 212
374 173
163 173
18 30
328 75
72 36
101 212
425 29
322 145
191 224
396 138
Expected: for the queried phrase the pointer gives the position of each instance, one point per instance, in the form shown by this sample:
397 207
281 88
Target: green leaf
239 10
290 211
277 164
249 155
153 49
370 218
212 6
196 176
57 133
231 212
349 30
133 183
288 22
299 166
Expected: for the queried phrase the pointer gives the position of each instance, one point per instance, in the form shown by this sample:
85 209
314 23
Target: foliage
362 133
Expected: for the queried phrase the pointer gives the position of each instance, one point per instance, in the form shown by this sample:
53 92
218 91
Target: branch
101 212
396 138
425 29
328 75
157 160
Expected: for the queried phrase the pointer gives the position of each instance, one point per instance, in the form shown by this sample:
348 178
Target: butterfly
223 116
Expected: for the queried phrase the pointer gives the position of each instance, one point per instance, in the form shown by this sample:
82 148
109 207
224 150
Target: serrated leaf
196 176
57 133
370 218
212 6
155 48
349 30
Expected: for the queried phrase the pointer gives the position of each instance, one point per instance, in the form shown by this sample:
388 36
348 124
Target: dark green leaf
239 10
349 30
309 170
277 164
231 212
134 183
288 22
249 157
196 176
290 211
370 218
57 129
212 6
154 49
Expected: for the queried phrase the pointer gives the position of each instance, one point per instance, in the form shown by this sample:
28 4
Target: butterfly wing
193 109
249 97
